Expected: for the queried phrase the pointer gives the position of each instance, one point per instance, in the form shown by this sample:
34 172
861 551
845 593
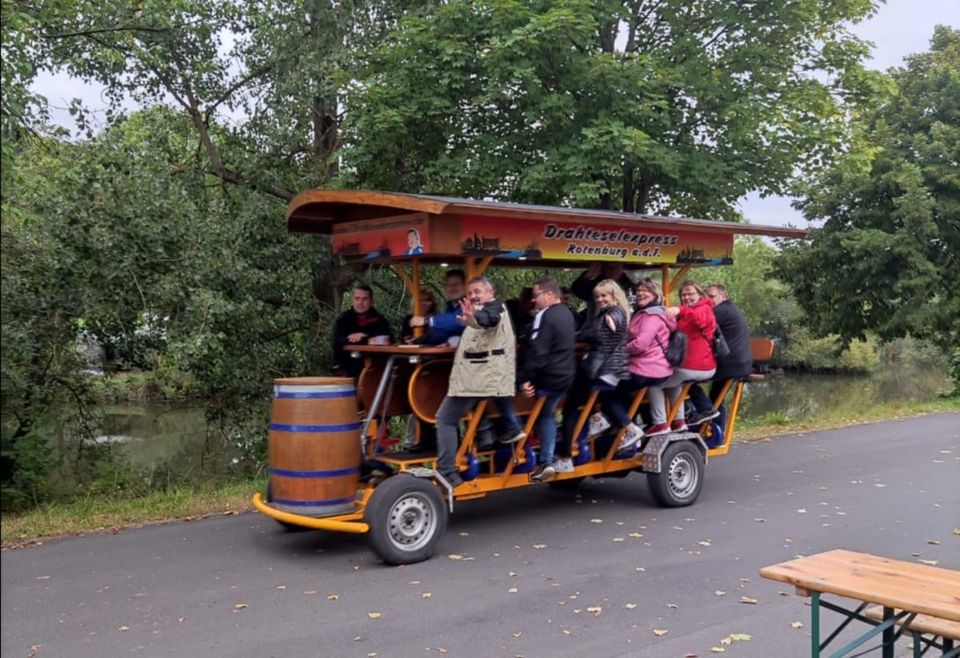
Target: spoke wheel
407 517
681 479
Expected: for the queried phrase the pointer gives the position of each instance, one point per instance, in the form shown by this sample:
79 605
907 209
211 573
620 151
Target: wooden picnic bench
919 598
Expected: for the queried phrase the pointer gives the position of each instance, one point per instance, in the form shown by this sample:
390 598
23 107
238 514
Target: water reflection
176 436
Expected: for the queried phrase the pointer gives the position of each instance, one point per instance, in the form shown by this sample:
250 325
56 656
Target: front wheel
679 482
407 516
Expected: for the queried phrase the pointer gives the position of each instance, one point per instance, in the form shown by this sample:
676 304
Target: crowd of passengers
626 345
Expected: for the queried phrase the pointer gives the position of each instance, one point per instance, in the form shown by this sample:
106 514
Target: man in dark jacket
547 367
356 326
735 365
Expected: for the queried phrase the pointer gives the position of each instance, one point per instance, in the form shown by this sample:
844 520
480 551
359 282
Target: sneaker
453 478
543 472
513 436
703 416
631 437
679 425
657 430
563 465
598 425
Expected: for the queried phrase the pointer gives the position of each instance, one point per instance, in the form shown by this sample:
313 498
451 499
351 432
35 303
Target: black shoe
512 437
543 472
701 417
453 478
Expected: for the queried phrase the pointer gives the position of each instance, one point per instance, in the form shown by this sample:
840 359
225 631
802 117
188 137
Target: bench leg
888 634
815 624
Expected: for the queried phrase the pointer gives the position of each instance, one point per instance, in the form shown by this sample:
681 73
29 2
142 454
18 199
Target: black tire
407 517
679 482
567 484
289 527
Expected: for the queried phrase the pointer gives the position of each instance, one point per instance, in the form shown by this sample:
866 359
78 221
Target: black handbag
592 364
720 347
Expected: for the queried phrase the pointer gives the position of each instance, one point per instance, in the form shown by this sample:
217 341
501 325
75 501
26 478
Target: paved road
539 573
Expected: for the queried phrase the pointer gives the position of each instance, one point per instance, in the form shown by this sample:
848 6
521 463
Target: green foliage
538 102
887 259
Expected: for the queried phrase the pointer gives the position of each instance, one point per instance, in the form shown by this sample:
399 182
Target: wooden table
903 589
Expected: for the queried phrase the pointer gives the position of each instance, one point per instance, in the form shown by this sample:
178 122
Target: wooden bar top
401 348
893 583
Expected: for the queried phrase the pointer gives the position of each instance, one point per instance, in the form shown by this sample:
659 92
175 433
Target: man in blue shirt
444 325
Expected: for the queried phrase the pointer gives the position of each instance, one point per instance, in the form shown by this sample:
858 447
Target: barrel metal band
279 427
300 395
282 472
312 503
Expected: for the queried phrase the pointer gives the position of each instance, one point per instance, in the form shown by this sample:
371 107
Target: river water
175 437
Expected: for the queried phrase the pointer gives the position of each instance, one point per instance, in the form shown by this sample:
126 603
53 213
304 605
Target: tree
664 107
887 258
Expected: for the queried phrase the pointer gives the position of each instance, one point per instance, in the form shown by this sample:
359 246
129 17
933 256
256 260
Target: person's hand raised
467 310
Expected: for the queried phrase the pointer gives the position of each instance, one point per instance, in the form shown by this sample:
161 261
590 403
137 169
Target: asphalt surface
525 573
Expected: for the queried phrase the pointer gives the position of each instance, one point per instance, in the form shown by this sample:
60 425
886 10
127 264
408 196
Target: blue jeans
547 425
617 401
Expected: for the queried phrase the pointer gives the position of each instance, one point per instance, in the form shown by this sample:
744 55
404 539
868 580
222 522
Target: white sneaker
563 465
631 437
598 424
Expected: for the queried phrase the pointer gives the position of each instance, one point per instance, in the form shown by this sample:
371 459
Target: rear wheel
679 482
407 517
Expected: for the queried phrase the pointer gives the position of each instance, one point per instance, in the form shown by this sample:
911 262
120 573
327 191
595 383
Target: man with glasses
547 367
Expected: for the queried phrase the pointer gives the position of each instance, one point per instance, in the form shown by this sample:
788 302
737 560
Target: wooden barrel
314 445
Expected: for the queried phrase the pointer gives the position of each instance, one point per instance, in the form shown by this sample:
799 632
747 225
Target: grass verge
110 515
95 514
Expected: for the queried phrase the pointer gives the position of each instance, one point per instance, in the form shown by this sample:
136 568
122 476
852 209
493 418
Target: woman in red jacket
695 318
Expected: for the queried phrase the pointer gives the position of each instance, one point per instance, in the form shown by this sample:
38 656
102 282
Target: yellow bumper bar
333 523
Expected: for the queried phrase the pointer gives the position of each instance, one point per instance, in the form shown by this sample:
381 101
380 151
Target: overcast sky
900 28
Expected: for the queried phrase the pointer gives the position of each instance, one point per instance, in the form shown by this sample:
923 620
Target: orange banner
536 239
382 238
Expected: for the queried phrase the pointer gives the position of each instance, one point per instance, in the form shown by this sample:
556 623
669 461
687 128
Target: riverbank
106 514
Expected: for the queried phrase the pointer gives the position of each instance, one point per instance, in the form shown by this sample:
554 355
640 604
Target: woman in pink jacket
695 318
646 357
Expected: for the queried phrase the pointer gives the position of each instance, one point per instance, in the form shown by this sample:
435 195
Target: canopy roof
389 227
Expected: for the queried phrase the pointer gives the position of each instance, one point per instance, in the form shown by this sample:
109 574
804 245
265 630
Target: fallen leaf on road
426 595
374 615
333 597
512 590
747 599
281 587
567 632
630 606
596 520
636 535
43 577
518 634
801 511
660 632
705 542
239 606
595 610
717 649
639 569
933 541
539 546
797 624
123 628
455 556
758 520
673 605
932 563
